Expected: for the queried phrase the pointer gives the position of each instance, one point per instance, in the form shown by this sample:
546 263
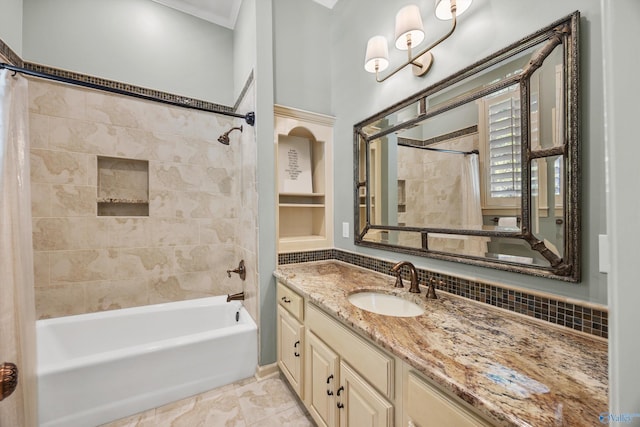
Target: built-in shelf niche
123 187
305 219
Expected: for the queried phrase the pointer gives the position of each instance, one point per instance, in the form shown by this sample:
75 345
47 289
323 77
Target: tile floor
248 403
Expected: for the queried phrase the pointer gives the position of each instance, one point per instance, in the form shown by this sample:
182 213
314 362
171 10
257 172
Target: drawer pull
329 378
286 300
295 345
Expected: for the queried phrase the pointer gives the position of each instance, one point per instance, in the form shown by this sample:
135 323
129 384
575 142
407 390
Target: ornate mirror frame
565 267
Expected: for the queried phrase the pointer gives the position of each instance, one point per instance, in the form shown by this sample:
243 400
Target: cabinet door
322 381
360 405
426 406
290 349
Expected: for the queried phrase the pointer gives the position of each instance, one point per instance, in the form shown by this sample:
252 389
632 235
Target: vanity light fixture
409 33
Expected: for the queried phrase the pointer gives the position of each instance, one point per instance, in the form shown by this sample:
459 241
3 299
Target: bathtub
98 367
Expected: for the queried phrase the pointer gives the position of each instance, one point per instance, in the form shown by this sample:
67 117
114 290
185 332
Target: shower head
224 138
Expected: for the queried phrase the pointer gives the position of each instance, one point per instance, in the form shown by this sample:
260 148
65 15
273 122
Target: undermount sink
387 304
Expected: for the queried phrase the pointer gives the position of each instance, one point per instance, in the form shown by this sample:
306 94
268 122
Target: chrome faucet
415 288
233 297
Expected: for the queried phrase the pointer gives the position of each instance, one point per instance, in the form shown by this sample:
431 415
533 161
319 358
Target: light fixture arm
412 59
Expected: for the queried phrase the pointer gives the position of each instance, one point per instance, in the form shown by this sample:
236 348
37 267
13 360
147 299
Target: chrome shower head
224 138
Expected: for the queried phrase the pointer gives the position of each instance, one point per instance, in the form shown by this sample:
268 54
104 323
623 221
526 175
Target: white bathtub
98 367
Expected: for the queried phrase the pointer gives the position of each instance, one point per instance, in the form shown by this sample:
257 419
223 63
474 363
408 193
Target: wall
244 46
198 196
622 91
266 176
302 55
246 238
139 42
356 96
11 24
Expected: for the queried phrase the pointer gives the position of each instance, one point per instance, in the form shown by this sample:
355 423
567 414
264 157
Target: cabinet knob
285 299
340 405
295 345
340 389
329 378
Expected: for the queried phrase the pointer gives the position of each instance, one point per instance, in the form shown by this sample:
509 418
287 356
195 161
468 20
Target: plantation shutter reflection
505 148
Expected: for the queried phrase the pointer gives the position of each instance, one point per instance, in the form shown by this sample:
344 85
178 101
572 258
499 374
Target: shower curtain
17 304
471 206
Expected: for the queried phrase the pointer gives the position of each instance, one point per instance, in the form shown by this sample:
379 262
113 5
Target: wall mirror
483 166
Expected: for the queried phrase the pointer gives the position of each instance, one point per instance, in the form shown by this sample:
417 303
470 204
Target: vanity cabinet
349 381
346 380
290 332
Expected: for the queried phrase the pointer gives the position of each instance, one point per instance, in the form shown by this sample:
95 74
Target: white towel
508 221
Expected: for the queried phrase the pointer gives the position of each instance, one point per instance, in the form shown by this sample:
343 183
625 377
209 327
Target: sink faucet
414 276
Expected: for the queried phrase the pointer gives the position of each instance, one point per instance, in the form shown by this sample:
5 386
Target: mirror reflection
475 167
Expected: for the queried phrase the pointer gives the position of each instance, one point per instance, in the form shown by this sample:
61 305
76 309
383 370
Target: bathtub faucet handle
241 271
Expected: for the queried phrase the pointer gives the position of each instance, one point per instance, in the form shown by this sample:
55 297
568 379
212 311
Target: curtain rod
441 150
250 117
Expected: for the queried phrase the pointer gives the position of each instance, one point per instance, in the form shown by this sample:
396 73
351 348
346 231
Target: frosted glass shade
409 22
443 8
377 53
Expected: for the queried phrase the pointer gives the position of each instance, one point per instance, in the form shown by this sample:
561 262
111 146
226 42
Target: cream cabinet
304 168
349 381
425 405
346 380
290 340
322 367
359 403
337 395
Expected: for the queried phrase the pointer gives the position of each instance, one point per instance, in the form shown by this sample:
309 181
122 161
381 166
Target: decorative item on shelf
409 33
294 165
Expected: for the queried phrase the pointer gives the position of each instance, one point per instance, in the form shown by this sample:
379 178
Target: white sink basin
389 305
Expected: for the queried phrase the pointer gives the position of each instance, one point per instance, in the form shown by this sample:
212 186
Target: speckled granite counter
515 370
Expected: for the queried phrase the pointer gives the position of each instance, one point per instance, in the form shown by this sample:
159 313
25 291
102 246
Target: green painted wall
140 42
487 26
11 24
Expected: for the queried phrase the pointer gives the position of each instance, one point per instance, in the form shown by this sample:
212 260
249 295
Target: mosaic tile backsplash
554 310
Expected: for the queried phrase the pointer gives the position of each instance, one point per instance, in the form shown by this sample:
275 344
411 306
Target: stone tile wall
199 193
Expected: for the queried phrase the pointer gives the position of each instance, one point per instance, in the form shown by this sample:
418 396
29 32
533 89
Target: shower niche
123 187
303 142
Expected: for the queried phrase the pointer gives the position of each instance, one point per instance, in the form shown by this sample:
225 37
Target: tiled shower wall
199 191
440 173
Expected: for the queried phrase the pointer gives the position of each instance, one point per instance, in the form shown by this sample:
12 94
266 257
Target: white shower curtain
17 304
471 206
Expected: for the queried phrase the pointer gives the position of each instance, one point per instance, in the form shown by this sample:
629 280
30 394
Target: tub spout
233 297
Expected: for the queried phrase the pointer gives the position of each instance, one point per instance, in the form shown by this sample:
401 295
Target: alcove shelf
303 143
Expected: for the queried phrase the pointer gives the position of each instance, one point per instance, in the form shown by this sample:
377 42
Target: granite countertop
513 369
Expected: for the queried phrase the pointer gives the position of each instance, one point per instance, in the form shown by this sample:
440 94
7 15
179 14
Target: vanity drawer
291 301
375 366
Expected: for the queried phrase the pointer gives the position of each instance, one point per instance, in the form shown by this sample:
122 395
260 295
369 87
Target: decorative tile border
8 53
457 134
150 93
243 92
557 311
160 96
